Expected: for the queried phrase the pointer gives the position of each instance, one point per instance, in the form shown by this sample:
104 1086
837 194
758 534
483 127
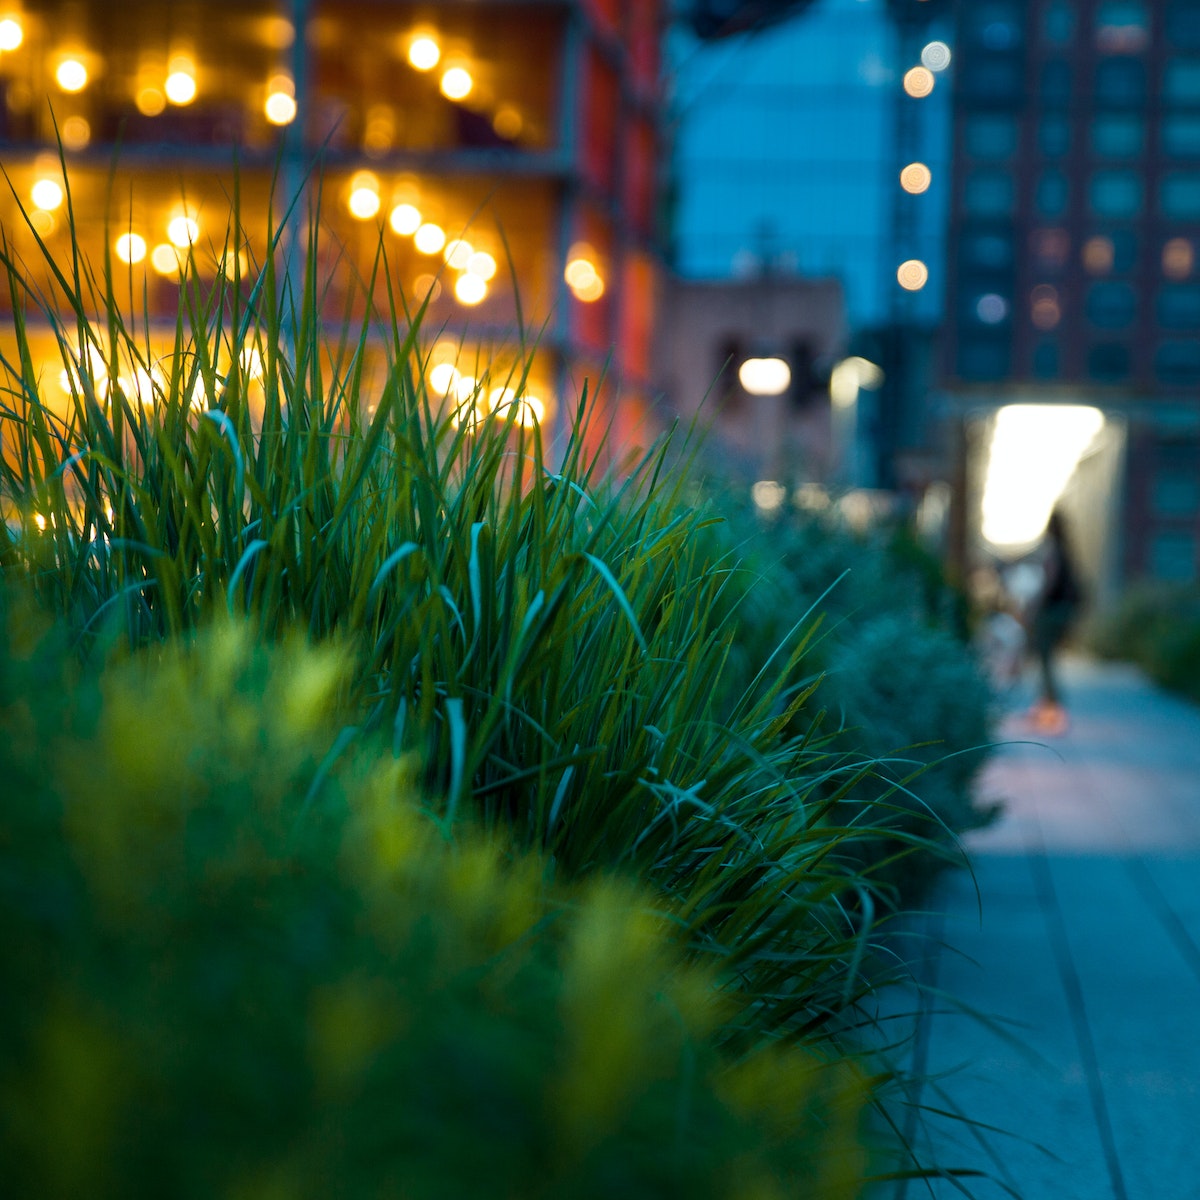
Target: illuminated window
1180 194
1054 135
1050 197
1044 309
1122 26
988 193
1177 364
1181 135
1179 306
1098 255
1115 193
1120 82
992 136
1117 135
1110 305
1178 258
1108 362
1050 248
1181 81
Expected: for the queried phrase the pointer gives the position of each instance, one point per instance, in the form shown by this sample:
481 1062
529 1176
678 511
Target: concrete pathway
1084 945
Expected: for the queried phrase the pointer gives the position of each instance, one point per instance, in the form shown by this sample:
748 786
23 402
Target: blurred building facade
1073 278
508 152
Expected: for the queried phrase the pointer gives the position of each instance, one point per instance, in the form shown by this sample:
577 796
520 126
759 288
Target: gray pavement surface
1083 947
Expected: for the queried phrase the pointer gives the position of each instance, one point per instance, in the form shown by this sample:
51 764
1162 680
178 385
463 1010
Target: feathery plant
552 643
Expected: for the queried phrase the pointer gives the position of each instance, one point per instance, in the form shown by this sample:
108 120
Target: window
1181 135
990 136
1058 23
1176 494
1173 556
1179 306
1098 255
1183 25
1120 82
1177 364
1055 84
1122 26
1181 81
1117 135
1110 305
982 358
1045 360
988 193
1050 198
1054 135
1050 248
986 251
1180 196
1115 193
1108 362
1178 258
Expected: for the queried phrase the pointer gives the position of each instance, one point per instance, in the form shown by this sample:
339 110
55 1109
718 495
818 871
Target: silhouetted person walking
1053 612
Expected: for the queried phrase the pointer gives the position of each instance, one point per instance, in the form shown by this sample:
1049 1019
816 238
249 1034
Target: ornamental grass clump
237 963
552 644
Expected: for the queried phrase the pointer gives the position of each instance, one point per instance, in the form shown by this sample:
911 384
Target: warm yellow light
443 378
591 291
507 122
1034 451
768 495
150 101
530 409
165 259
912 275
850 375
11 33
765 376
1098 255
458 253
43 222
280 106
427 287
183 231
405 219
918 82
47 194
76 133
481 263
181 87
141 384
457 83
72 75
1178 258
581 273
424 53
1044 310
470 289
916 178
131 247
429 238
364 196
251 362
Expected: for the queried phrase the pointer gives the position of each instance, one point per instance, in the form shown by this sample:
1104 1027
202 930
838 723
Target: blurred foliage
1156 626
235 967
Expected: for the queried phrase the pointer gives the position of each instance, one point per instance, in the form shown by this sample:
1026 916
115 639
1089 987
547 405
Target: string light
470 289
918 82
47 195
458 253
364 196
912 275
164 258
457 83
482 264
280 106
429 238
424 53
183 231
916 178
180 87
405 219
11 34
72 75
131 248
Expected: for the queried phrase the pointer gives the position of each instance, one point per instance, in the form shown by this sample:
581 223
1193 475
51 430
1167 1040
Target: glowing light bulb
458 253
482 264
165 259
180 87
76 133
457 83
918 82
47 194
183 231
150 101
424 53
765 376
916 178
912 275
470 289
11 33
280 106
429 238
71 75
443 378
364 200
936 56
131 248
405 219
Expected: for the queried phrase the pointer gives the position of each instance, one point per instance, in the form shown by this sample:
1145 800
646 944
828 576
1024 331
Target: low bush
1156 626
235 966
